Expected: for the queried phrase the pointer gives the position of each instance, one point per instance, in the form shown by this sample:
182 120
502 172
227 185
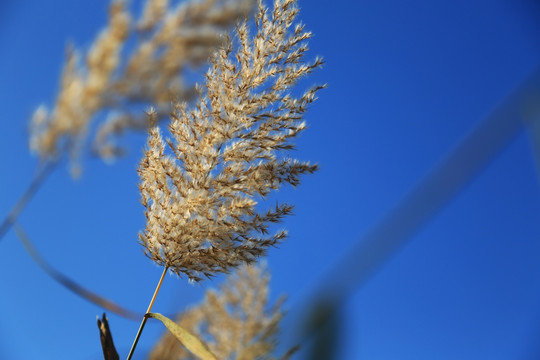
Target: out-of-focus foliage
169 40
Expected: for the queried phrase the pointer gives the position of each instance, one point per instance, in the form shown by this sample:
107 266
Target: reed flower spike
236 321
111 86
201 188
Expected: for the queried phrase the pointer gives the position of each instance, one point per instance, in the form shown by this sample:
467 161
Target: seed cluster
113 86
236 321
200 188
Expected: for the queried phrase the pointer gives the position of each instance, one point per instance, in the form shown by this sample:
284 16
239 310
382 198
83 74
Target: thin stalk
143 322
39 179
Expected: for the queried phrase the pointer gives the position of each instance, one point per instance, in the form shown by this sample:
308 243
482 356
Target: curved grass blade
70 284
190 341
43 172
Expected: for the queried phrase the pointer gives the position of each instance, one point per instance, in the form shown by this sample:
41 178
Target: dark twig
107 344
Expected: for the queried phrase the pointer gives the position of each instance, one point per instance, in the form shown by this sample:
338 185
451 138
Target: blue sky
406 82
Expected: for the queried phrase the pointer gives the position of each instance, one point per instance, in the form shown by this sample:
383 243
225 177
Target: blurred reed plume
235 321
167 42
200 195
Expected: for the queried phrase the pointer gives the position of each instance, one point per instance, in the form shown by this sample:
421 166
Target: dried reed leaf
190 341
105 336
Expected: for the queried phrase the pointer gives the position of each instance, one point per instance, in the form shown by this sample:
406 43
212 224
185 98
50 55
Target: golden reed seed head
200 188
168 40
235 321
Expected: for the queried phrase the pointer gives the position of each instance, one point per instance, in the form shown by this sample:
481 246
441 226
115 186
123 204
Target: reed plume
235 321
200 188
111 85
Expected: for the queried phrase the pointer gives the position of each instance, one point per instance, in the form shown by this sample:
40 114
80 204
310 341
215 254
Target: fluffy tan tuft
168 40
200 189
236 322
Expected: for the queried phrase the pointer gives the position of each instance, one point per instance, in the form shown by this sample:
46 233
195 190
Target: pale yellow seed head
201 188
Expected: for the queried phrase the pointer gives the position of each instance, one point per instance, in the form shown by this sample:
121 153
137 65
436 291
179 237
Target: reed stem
143 322
43 172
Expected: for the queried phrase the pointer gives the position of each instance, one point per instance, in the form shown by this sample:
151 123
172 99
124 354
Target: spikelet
168 40
200 191
235 322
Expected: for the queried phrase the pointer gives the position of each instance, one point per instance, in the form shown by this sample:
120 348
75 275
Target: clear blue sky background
407 81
